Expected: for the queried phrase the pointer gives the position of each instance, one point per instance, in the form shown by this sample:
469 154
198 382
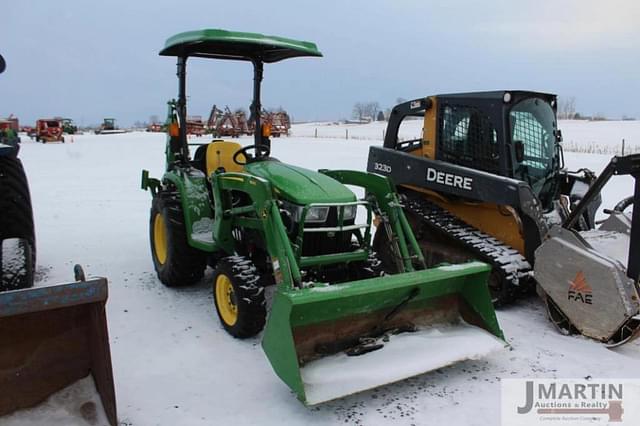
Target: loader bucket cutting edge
419 321
52 337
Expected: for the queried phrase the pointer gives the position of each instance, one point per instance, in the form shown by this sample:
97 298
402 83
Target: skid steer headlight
349 212
317 214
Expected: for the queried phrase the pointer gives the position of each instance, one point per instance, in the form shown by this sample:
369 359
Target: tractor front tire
239 296
17 237
176 262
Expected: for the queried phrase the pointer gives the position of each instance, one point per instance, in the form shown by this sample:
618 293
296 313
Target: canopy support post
256 107
182 106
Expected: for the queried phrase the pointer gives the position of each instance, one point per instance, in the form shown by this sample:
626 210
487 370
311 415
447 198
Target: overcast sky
93 59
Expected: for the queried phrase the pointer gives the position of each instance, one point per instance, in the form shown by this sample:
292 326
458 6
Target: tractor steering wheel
261 150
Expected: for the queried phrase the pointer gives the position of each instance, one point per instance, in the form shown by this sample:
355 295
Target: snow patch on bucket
404 356
76 405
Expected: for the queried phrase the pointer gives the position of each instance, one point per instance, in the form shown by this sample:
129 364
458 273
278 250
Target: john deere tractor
259 222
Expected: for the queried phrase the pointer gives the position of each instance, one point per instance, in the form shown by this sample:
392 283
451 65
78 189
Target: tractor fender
191 185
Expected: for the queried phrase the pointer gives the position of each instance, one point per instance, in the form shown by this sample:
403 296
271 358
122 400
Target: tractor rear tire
17 237
176 262
239 296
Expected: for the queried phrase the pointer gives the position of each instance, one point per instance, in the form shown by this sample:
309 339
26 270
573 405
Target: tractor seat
218 155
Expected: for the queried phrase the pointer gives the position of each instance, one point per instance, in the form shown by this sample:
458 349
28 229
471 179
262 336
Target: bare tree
365 110
567 108
371 110
358 111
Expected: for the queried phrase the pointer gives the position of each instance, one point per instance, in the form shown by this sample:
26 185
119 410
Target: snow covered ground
175 365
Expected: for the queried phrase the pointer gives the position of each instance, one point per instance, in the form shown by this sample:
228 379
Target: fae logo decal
579 290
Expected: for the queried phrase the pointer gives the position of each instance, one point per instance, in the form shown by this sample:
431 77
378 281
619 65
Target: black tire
17 237
246 296
179 264
382 247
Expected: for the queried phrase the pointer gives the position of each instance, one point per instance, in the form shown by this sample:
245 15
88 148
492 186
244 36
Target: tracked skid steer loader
485 180
336 325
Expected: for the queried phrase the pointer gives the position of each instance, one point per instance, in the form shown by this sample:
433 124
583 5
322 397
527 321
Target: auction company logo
570 402
579 290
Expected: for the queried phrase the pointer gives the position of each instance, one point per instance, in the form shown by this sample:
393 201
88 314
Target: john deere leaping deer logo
579 290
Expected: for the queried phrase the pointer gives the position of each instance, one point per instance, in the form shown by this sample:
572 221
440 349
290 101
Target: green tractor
337 324
69 127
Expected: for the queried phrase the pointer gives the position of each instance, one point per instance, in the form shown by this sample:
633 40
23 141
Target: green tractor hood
301 186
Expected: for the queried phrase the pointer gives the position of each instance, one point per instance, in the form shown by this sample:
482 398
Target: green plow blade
329 341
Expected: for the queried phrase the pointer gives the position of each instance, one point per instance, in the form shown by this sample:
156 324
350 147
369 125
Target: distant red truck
49 130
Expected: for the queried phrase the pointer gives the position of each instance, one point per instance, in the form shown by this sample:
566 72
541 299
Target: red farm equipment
49 130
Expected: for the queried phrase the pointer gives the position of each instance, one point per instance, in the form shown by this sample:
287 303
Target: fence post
316 133
346 131
623 146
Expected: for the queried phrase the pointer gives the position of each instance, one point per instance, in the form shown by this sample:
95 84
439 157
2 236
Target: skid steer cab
335 317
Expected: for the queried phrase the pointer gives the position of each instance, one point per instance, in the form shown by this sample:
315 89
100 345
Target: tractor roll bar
182 106
256 107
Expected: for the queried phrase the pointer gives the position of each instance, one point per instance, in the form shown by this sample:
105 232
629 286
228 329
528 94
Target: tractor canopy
222 44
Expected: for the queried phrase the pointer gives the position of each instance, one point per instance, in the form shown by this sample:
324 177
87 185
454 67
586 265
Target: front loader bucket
330 341
51 337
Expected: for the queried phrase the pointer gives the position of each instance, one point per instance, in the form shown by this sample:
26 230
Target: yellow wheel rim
160 238
225 300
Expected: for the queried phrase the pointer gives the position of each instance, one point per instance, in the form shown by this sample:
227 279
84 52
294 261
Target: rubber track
515 271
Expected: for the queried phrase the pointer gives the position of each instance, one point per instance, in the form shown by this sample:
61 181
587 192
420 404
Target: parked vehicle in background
49 130
109 127
69 127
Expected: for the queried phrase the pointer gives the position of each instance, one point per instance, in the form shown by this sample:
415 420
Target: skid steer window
533 125
468 138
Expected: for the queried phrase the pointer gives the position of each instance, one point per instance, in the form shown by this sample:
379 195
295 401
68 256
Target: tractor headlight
317 215
349 212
